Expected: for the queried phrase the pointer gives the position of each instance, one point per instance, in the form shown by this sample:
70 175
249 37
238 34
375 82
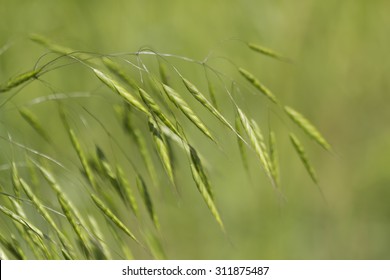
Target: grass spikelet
118 71
117 180
15 179
256 83
13 247
50 45
213 97
75 223
107 170
255 142
267 51
146 156
112 217
77 147
307 127
83 159
205 194
143 190
274 158
152 105
33 121
195 160
101 250
203 100
155 246
187 111
27 225
303 157
128 192
18 80
123 114
241 146
162 149
71 213
49 178
138 137
163 73
263 147
125 94
42 210
32 240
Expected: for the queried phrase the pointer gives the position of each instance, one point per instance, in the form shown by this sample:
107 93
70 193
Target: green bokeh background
339 79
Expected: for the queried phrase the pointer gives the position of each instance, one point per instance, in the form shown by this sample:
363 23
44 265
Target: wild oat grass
157 124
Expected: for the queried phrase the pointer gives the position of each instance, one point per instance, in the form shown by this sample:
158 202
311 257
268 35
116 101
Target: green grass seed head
101 249
34 122
127 190
298 147
212 94
163 73
241 146
119 71
256 145
143 190
76 224
262 144
50 45
18 80
83 159
203 100
13 247
146 155
196 162
116 87
206 196
162 149
155 109
45 214
23 221
266 51
112 217
274 158
256 83
179 102
307 127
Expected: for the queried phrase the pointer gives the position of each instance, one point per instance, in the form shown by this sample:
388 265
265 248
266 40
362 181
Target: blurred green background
339 80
